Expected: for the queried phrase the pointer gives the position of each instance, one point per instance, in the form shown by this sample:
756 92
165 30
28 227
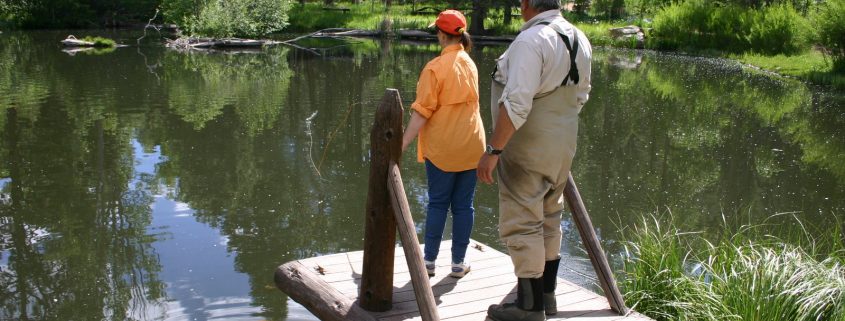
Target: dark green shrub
643 8
829 21
234 18
310 17
778 29
682 25
699 24
179 11
729 27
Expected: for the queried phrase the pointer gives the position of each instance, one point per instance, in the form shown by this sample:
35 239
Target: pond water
149 184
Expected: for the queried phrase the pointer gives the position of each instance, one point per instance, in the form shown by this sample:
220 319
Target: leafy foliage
239 18
611 9
642 8
73 13
731 28
830 23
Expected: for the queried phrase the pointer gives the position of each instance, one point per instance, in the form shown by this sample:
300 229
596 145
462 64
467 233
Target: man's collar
542 16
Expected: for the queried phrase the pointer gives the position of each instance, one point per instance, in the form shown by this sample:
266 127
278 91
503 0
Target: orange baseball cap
451 22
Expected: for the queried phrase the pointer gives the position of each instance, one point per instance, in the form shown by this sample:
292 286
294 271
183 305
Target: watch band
492 151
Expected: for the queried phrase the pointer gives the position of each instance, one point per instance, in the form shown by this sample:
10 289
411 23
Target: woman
451 139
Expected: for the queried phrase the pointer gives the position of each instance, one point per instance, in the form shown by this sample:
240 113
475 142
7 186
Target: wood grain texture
491 282
593 247
324 301
411 246
380 224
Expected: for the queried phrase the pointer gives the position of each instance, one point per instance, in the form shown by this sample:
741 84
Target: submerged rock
629 32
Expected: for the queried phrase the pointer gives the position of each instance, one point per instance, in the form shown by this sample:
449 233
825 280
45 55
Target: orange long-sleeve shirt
447 96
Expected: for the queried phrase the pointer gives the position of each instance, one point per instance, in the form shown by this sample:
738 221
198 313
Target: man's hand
486 165
502 133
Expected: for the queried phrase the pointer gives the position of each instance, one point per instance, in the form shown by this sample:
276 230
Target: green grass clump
746 275
100 41
657 279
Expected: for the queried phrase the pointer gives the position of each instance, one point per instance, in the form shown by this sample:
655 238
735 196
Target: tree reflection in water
94 147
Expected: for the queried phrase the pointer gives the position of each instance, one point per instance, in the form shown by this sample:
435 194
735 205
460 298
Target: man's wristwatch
492 151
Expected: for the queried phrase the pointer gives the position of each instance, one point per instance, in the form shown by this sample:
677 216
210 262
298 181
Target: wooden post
411 246
376 292
591 243
326 302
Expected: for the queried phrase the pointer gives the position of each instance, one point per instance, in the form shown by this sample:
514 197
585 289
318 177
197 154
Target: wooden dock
490 281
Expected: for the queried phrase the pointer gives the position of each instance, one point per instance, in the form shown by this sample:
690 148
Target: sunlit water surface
150 184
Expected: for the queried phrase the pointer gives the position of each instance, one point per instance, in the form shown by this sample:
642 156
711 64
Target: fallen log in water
189 43
423 35
71 41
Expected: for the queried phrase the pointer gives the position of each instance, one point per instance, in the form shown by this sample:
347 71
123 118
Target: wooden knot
388 134
294 273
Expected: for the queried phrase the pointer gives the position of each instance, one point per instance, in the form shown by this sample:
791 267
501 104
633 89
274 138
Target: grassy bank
375 16
810 66
807 64
748 274
777 37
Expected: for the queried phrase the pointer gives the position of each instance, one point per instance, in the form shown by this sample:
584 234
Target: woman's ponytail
466 40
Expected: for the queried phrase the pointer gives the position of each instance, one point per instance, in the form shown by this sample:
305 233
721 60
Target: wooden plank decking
490 281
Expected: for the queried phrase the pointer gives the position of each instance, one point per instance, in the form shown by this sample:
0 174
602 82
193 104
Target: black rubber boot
549 285
528 305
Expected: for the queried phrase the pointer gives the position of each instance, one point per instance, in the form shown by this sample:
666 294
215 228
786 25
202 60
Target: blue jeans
445 190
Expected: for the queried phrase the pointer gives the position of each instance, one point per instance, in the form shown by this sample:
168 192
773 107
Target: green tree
610 9
74 13
479 14
582 6
643 8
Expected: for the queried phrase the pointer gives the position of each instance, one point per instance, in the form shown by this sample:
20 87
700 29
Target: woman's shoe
429 267
459 269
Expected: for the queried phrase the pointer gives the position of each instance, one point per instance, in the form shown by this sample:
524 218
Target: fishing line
311 142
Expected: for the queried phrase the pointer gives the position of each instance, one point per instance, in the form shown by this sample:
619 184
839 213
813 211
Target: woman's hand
417 121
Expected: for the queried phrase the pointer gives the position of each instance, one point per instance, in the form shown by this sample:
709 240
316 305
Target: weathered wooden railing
387 209
413 255
594 250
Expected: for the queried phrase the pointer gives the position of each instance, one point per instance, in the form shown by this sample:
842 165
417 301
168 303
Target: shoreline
808 67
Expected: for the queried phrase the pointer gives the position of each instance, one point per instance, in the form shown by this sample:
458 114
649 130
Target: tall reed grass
745 275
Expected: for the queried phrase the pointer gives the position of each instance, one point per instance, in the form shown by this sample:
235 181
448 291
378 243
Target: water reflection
75 244
153 184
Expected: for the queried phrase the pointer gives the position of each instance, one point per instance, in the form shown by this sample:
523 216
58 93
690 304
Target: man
539 86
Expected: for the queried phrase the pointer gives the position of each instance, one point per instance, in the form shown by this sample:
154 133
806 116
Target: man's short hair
544 5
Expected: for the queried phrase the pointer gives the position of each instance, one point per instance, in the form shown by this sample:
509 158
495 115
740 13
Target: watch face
491 151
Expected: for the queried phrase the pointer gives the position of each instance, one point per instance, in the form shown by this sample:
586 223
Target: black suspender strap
573 50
